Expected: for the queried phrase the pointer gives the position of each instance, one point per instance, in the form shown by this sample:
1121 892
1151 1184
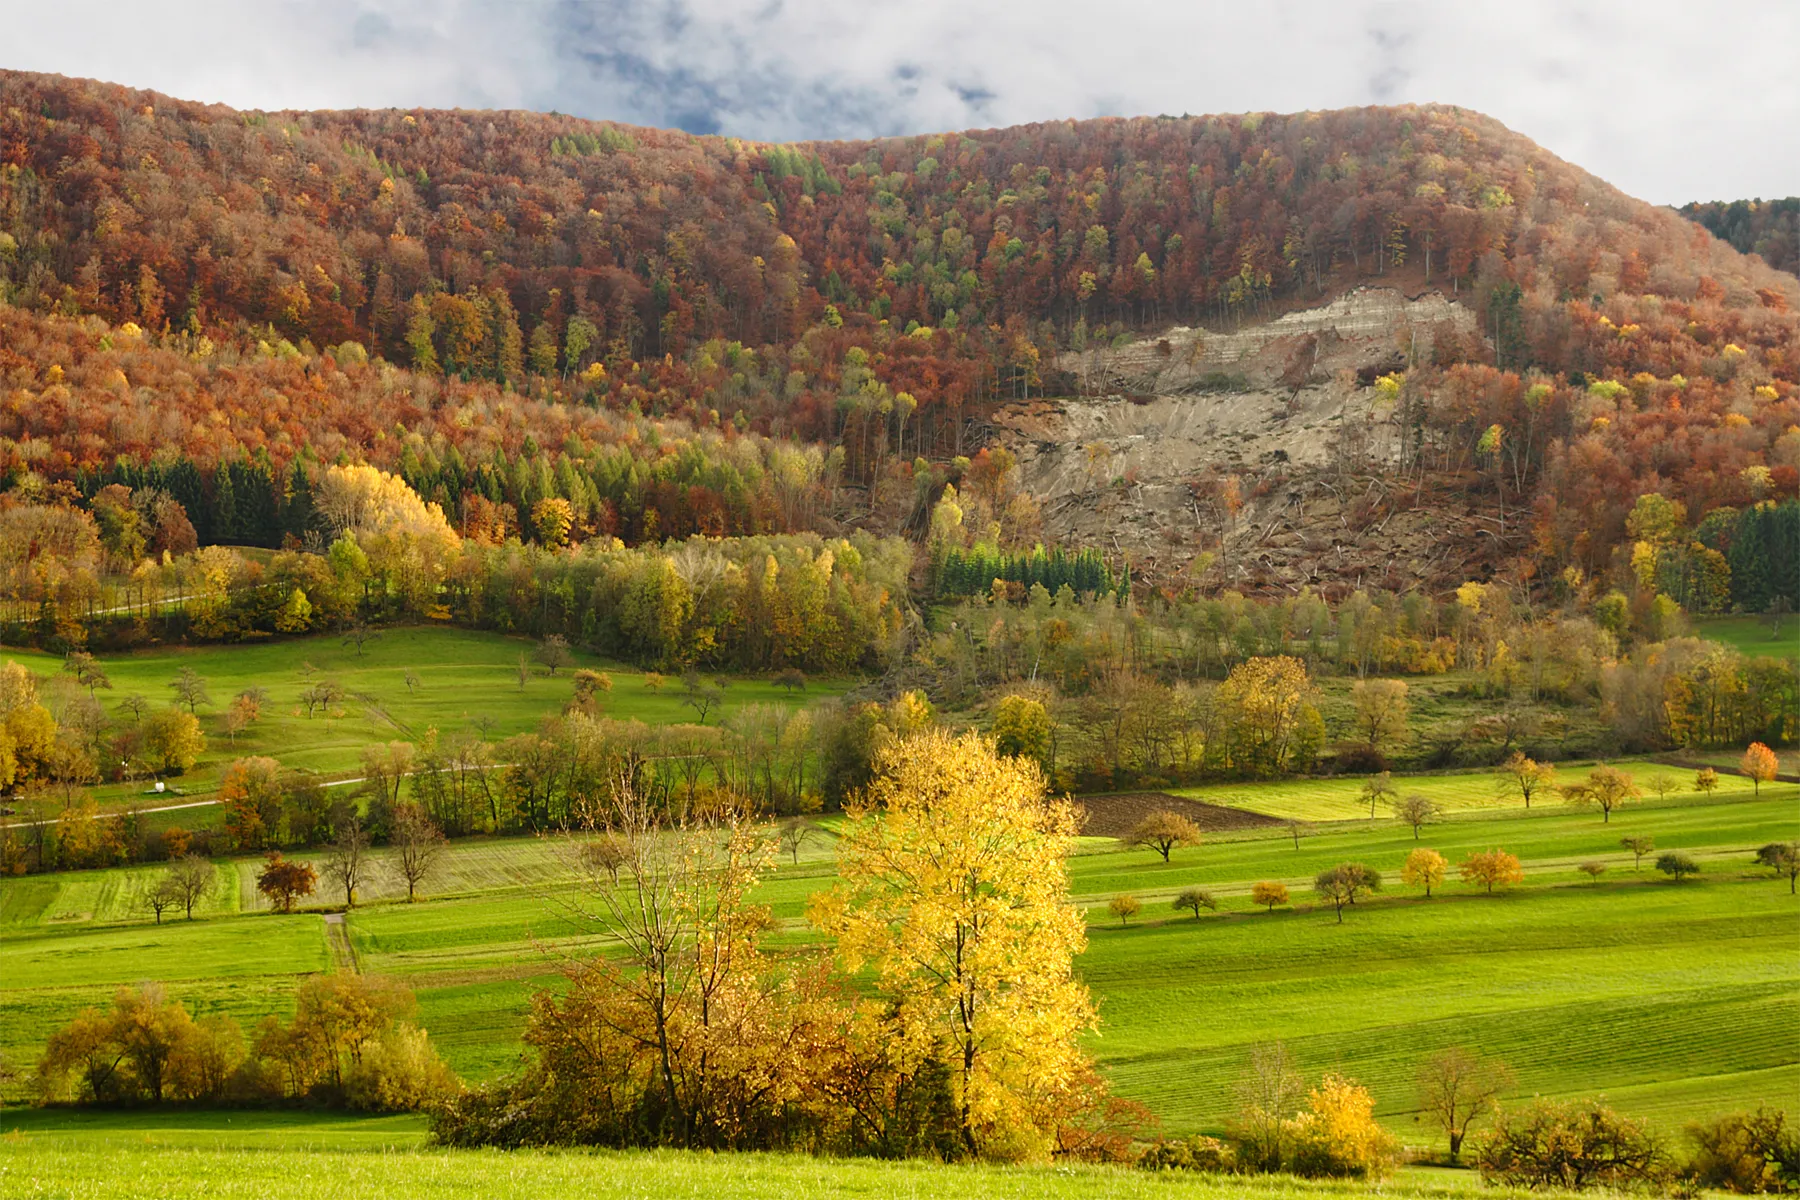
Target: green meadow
1674 1000
462 680
301 1157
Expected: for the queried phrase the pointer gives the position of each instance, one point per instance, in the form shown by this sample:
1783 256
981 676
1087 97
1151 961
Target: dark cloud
1666 101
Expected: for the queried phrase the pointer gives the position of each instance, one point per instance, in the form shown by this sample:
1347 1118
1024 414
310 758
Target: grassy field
463 679
1340 797
1755 636
271 1160
1675 1000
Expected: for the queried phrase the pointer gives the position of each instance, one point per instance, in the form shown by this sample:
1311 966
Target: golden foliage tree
1605 788
955 893
1267 705
1491 869
1162 831
1424 867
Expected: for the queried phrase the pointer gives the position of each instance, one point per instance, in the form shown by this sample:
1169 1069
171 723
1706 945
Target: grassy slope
464 676
1675 1000
1753 635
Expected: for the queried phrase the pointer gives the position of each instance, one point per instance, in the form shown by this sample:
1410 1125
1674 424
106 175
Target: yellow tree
955 892
1267 703
1760 765
1491 867
1381 711
1423 868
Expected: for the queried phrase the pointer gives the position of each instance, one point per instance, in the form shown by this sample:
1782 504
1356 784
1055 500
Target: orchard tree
347 863
189 878
1593 869
1342 884
1457 1087
1491 869
795 832
1639 846
418 845
190 689
1268 893
1415 810
1423 868
158 898
553 653
1525 777
1677 865
1783 858
1194 899
1377 788
1760 764
1706 781
1606 788
955 893
1162 831
1125 907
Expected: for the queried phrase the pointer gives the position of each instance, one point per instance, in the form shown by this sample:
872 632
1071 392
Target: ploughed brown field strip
1116 814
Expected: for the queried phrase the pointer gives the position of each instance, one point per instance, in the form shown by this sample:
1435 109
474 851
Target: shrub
1746 1152
399 1071
1198 1153
1575 1146
1338 1134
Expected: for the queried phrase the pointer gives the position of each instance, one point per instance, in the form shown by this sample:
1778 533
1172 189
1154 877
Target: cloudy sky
1671 101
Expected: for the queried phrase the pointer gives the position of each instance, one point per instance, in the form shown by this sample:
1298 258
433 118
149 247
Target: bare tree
322 696
190 877
795 833
412 682
158 898
418 845
135 705
1415 810
1639 846
86 670
360 634
1458 1087
190 689
348 858
1377 788
1267 1094
700 695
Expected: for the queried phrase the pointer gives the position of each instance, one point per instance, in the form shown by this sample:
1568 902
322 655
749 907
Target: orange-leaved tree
1760 764
1491 868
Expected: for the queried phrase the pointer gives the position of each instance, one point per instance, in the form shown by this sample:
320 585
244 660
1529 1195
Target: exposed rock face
1262 459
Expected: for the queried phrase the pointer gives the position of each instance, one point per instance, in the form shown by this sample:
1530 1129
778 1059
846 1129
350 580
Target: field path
338 938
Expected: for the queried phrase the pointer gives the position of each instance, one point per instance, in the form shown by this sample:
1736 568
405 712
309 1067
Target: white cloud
1669 101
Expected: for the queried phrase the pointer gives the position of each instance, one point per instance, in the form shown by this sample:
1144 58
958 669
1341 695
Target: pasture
459 680
1674 1000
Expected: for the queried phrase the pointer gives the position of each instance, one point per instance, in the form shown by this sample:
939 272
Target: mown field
463 680
1675 1000
307 1157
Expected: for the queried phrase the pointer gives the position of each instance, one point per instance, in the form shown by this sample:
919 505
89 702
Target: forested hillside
680 334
